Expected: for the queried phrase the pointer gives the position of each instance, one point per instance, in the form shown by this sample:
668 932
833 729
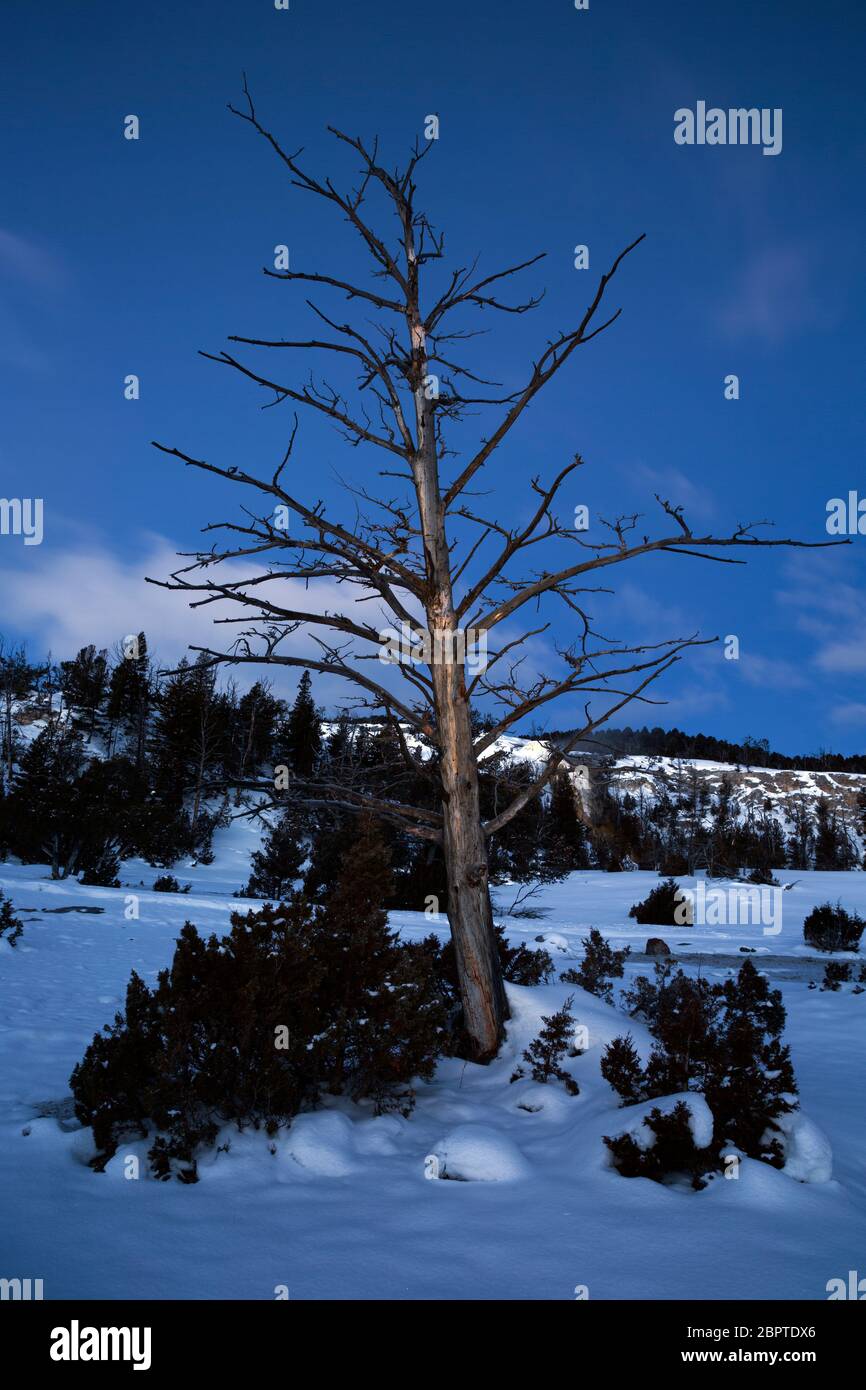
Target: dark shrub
601 965
830 928
681 1013
167 883
100 867
10 926
672 1153
749 1080
724 1040
546 1052
621 1067
836 973
663 907
521 965
297 1001
762 873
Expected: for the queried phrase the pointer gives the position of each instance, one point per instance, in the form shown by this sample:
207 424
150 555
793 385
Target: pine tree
564 839
672 1149
17 679
801 841
303 733
516 852
601 965
79 817
258 713
10 925
720 851
187 745
83 682
545 1053
682 1015
836 974
296 1002
621 1067
358 952
277 865
339 746
833 849
41 810
130 694
332 840
723 1040
830 927
663 906
749 1078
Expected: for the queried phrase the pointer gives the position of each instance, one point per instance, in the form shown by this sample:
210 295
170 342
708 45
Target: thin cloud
845 657
770 673
30 280
828 608
853 712
774 297
674 487
25 260
66 599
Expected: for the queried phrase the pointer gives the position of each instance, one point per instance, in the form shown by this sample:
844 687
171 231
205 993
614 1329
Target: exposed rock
657 947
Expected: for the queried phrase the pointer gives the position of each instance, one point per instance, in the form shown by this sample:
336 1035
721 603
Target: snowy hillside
754 787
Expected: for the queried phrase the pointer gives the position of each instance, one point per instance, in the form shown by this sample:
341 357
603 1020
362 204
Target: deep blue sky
556 129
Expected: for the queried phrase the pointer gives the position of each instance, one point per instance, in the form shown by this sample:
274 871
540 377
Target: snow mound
323 1142
479 1153
377 1136
554 941
808 1154
631 1119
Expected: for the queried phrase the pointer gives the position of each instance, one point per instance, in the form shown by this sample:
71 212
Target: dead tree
426 554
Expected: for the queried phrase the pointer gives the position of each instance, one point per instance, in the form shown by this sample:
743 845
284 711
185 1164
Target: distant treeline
673 743
106 758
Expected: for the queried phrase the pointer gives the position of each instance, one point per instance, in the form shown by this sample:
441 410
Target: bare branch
558 755
555 355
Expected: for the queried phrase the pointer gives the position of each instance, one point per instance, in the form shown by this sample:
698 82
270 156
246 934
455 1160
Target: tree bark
470 915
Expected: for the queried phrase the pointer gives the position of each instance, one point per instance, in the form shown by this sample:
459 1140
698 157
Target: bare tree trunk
470 915
8 738
202 752
249 744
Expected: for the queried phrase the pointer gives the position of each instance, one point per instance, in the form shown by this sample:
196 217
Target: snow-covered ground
342 1208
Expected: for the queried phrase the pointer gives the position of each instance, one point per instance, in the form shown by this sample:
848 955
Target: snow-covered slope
341 1208
756 790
